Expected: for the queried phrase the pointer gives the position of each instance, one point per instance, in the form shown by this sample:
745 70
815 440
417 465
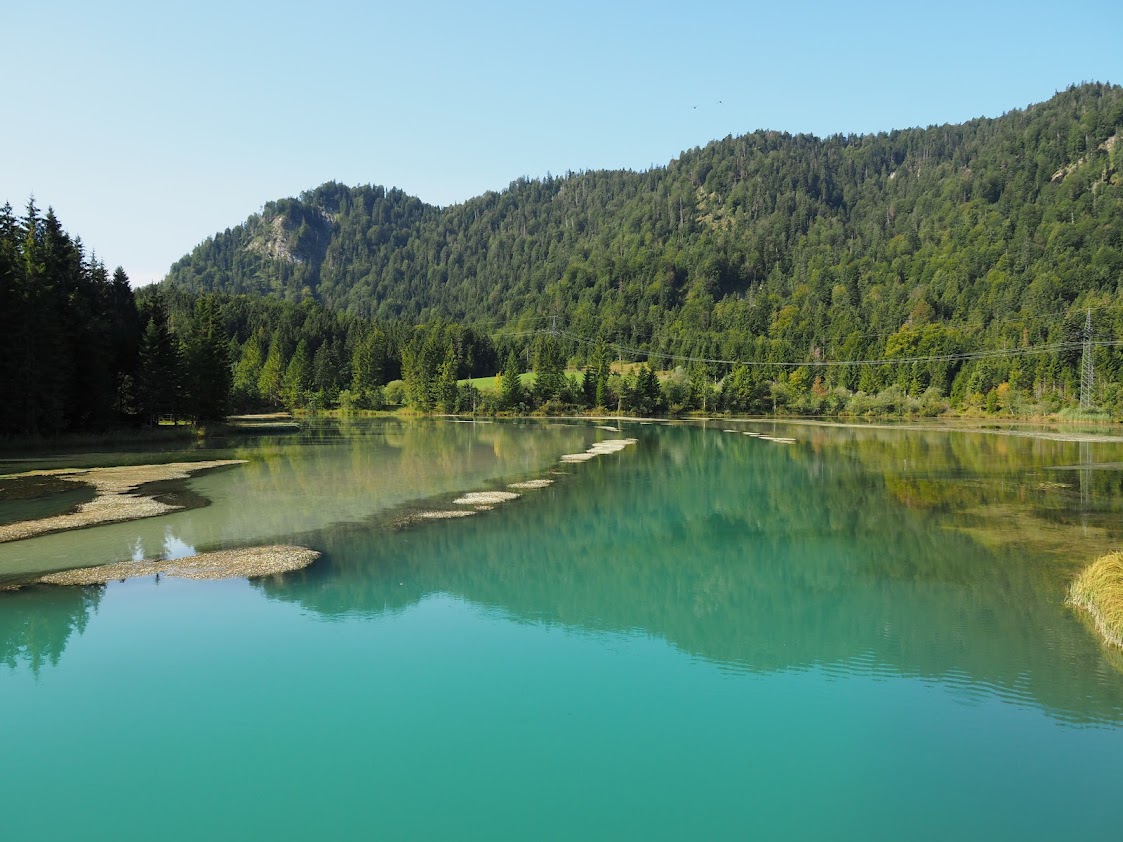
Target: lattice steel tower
1087 370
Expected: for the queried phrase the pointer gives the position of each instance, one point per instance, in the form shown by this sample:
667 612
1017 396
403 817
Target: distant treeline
996 238
81 351
304 356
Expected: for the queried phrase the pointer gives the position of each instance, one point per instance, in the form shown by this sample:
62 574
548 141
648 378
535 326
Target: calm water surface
858 636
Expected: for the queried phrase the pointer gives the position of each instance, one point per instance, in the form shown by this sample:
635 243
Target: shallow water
708 635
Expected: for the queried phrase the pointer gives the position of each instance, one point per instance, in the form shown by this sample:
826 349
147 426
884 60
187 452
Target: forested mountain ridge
770 247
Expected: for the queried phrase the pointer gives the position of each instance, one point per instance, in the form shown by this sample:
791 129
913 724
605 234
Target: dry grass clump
1098 590
484 498
116 496
532 483
248 563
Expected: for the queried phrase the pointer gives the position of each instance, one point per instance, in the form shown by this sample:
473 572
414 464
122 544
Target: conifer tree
447 393
271 381
12 318
247 373
602 393
298 377
208 364
647 397
510 387
158 372
368 364
548 370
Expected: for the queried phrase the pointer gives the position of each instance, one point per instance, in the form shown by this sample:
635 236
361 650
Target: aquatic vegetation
1098 590
532 483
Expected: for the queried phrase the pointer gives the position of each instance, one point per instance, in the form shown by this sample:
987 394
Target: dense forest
77 353
80 351
997 234
904 272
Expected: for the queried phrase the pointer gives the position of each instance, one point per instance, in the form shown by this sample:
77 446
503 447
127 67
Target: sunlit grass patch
1099 591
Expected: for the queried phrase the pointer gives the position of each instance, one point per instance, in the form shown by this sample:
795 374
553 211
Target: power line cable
962 356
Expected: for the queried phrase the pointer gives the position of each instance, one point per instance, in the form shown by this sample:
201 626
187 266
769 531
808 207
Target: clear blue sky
150 126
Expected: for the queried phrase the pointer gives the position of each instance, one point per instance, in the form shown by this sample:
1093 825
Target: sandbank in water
484 498
248 563
599 449
532 483
117 498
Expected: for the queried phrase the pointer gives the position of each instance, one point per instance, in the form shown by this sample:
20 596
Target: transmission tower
1087 370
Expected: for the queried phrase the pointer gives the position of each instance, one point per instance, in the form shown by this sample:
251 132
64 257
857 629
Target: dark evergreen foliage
68 333
764 248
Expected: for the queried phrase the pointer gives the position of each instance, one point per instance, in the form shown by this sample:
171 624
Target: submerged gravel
117 498
247 563
484 498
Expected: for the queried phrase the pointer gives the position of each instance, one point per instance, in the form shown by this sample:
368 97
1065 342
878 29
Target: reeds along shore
1098 590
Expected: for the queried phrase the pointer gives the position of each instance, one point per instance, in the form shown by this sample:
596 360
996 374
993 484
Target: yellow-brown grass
1099 591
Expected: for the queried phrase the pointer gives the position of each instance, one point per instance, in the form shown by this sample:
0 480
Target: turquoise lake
860 635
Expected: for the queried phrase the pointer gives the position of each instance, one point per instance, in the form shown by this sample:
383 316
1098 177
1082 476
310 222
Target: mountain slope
994 233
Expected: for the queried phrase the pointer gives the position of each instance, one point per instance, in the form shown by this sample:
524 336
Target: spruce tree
298 377
209 374
548 370
247 373
271 381
158 370
648 397
12 318
447 393
368 364
510 387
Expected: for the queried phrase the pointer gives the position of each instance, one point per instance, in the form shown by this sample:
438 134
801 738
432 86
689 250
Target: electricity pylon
1087 370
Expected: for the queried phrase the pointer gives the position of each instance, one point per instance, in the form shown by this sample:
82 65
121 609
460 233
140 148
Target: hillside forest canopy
977 253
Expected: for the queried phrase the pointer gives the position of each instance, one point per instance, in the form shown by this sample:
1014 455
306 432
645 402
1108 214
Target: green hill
993 234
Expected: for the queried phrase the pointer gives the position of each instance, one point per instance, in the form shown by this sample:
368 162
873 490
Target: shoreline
245 563
121 494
